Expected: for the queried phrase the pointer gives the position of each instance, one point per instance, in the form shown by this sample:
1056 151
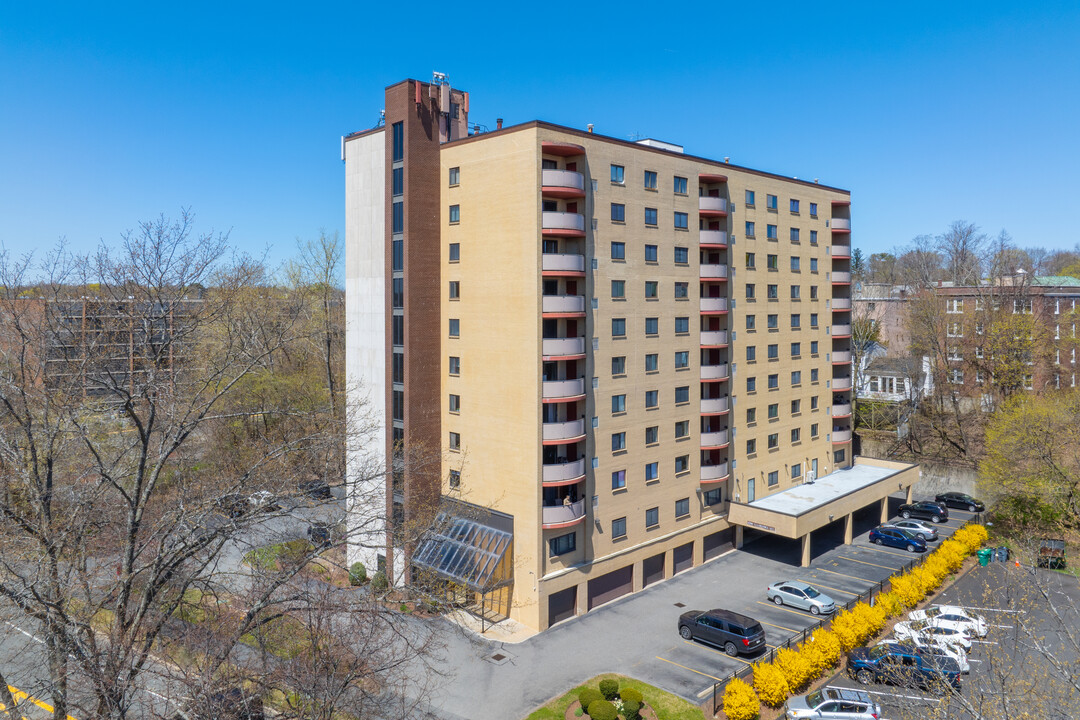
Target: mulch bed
646 712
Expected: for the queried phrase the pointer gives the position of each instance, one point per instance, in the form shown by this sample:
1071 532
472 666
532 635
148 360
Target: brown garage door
719 543
613 585
562 605
652 569
683 557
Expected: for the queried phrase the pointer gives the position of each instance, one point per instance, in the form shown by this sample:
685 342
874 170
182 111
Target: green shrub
609 688
379 581
630 694
602 710
631 709
589 695
357 574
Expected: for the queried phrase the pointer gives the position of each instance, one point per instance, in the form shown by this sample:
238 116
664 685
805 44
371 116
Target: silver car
833 702
800 595
920 528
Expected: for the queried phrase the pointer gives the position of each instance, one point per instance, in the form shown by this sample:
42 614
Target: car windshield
919 625
815 698
810 592
878 652
964 497
933 612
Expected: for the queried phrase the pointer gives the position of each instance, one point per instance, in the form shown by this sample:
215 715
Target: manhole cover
497 657
679 605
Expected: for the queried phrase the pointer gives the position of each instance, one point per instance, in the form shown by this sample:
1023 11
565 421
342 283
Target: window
652 517
838 456
796 349
770 202
455 403
680 185
398 251
712 497
652 435
796 405
751 353
682 221
455 176
682 290
772 292
682 325
774 441
751 415
750 291
455 479
794 435
813 320
751 447
796 320
813 347
398 219
813 264
749 322
751 384
617 174
562 544
398 131
618 479
955 329
774 352
398 180
956 376
455 365
455 327
979 352
652 290
954 305
455 213
774 381
652 399
954 353
749 198
813 209
618 327
749 229
682 507
682 429
618 251
1029 381
455 441
794 205
455 289
618 404
813 375
618 289
682 394
652 471
795 292
397 292
796 377
794 234
682 256
618 365
650 253
774 478
618 441
774 411
813 292
771 262
1022 306
650 180
814 430
650 216
652 326
455 252
618 212
682 359
773 321
618 526
770 232
651 362
750 260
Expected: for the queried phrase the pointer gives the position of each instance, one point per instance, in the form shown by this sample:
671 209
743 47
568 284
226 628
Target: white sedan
923 630
954 617
954 652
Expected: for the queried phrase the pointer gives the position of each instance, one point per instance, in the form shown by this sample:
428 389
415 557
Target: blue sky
927 112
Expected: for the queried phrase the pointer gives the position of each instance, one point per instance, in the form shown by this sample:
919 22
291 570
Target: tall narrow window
398 132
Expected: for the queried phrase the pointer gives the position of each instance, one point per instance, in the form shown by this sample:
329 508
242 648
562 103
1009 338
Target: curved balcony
841 304
559 433
841 357
567 473
561 149
841 383
841 203
714 473
562 224
841 436
840 225
714 372
555 264
562 184
712 440
712 238
563 305
713 305
560 516
562 348
714 406
840 278
840 330
709 206
563 390
707 178
713 271
837 251
841 410
714 338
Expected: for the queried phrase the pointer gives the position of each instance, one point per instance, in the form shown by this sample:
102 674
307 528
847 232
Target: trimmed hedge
588 696
602 710
631 709
357 574
609 688
631 695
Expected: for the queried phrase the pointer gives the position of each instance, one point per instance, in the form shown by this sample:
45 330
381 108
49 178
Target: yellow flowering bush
740 701
972 537
872 618
826 646
890 604
795 667
770 684
906 589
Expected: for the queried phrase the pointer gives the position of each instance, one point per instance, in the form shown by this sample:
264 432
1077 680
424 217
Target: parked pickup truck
1052 553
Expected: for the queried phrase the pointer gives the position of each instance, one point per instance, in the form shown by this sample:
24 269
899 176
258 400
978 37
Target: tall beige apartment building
640 354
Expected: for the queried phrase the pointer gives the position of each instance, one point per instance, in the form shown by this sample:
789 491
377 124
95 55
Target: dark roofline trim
364 133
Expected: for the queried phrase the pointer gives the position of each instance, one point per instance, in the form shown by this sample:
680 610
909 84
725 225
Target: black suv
960 501
900 665
932 511
734 632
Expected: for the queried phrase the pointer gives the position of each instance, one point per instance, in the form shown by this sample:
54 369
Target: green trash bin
984 556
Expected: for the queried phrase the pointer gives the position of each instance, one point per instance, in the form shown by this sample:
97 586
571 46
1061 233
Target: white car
933 647
923 630
953 617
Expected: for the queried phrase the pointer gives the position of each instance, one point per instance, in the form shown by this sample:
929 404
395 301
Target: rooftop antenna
382 118
438 78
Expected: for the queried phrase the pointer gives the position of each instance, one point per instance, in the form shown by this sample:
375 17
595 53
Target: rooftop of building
896 366
810 496
1056 281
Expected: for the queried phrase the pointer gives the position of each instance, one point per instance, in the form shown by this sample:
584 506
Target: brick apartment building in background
624 356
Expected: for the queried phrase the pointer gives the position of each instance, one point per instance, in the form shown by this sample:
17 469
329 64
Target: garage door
652 569
613 585
562 605
683 557
719 543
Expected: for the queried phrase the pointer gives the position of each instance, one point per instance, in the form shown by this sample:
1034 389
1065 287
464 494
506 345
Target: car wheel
686 633
778 600
879 541
731 650
971 508
905 514
922 537
911 548
865 677
936 519
815 610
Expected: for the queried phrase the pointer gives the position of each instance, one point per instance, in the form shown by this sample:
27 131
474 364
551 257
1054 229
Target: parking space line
833 572
781 607
1003 627
689 668
889 552
781 627
984 642
715 650
883 567
817 584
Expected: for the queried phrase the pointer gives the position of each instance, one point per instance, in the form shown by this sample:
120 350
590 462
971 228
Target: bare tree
963 248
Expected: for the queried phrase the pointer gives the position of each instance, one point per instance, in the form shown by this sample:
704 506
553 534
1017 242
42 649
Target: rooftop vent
670 147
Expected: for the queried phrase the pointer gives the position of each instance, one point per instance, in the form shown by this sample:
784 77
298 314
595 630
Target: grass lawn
667 706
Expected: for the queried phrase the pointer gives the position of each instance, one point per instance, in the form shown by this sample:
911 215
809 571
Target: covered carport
797 512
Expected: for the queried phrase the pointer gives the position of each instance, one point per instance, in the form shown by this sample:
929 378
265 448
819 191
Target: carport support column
738 537
806 550
884 510
908 494
582 598
848 521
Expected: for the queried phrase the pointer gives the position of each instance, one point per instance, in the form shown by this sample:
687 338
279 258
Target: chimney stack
498 123
590 127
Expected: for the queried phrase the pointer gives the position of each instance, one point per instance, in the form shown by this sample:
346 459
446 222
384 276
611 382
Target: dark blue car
897 538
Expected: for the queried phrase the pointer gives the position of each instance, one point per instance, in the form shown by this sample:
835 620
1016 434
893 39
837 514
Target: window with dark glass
455 213
618 479
650 180
682 463
398 251
562 544
650 216
398 361
618 212
713 497
618 526
455 365
682 255
618 251
397 329
398 180
682 221
680 185
398 133
455 403
397 292
455 252
682 507
398 404
682 394
398 219
652 326
455 176
682 325
652 517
